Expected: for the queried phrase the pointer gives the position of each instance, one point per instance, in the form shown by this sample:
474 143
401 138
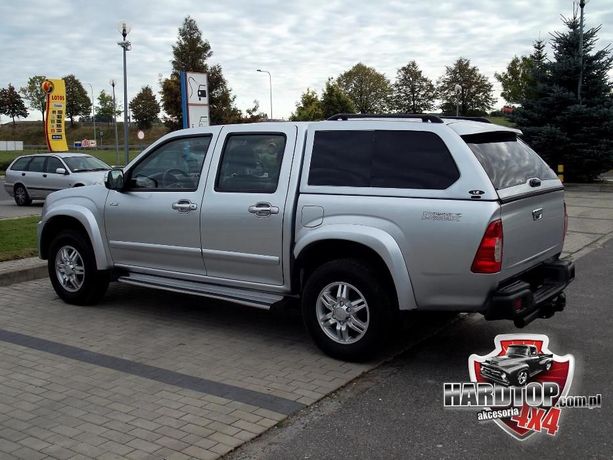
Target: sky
301 43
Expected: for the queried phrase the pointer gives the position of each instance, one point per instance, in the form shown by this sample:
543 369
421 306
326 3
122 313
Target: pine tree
190 54
562 130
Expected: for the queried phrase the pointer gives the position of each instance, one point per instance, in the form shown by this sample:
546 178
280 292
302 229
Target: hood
505 361
89 177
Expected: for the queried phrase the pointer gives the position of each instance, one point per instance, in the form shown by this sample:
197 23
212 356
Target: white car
33 177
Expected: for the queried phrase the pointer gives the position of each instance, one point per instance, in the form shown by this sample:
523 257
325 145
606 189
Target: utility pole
124 29
93 112
581 5
112 82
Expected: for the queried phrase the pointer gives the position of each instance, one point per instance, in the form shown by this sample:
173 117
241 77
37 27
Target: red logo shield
538 365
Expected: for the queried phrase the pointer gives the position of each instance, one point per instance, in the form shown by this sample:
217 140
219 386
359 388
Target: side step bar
241 296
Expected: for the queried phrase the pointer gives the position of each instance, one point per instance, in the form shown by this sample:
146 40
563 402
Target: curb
19 271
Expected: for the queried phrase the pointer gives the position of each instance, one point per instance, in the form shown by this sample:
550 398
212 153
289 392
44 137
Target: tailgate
531 197
533 228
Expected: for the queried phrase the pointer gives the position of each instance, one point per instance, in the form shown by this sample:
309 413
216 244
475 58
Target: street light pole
127 46
93 111
270 83
112 82
581 5
458 93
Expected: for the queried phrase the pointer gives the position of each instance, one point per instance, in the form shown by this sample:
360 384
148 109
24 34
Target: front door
243 209
155 222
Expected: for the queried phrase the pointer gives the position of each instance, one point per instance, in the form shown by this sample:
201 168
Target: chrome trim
241 257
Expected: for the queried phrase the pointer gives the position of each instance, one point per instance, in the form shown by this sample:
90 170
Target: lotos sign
55 136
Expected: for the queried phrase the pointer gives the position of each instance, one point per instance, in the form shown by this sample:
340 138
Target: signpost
195 99
55 89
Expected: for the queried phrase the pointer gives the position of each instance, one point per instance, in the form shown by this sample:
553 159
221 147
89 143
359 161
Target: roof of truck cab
465 127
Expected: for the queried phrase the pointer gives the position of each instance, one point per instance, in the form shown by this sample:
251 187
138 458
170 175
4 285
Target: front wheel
522 377
346 309
72 270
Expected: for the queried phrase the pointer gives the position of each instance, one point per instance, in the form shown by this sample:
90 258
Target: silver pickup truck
359 217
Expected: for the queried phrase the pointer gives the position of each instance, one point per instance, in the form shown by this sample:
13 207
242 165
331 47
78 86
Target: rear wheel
22 198
72 269
346 309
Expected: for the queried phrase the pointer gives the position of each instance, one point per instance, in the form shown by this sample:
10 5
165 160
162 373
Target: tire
329 299
522 377
22 198
72 269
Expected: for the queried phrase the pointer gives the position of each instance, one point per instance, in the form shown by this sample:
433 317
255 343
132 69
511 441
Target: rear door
244 204
531 196
33 178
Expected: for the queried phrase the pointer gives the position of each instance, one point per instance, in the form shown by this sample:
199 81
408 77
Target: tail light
489 255
565 222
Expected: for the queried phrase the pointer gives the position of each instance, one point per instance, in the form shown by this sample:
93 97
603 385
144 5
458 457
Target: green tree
11 103
34 94
368 89
77 101
516 79
190 54
309 107
476 92
145 108
104 111
334 100
253 114
413 92
562 130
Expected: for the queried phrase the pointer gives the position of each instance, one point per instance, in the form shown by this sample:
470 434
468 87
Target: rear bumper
536 294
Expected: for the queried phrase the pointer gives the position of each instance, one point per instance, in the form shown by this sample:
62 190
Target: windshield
507 160
517 351
82 164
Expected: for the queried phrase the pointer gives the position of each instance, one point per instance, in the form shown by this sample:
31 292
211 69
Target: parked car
516 366
359 217
33 177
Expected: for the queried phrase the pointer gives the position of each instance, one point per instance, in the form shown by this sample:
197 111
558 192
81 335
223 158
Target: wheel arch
81 220
376 247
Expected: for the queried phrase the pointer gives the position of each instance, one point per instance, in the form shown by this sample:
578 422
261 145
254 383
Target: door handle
44 175
263 209
184 206
23 174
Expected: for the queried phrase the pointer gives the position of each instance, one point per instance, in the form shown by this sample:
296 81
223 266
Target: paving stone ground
150 374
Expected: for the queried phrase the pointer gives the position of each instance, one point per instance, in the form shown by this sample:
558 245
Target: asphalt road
396 411
8 208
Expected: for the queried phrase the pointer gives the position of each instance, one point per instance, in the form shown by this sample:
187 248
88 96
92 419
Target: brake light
565 222
489 255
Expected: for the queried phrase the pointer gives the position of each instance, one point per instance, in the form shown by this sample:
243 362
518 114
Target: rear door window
507 160
37 164
383 159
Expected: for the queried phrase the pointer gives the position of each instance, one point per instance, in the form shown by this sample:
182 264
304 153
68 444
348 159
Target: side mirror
114 180
61 171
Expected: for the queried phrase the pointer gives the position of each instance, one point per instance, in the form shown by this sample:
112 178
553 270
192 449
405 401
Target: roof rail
423 116
481 119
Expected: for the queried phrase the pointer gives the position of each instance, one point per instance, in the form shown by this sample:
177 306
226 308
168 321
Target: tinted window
175 165
53 164
507 160
21 164
387 159
251 163
37 164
